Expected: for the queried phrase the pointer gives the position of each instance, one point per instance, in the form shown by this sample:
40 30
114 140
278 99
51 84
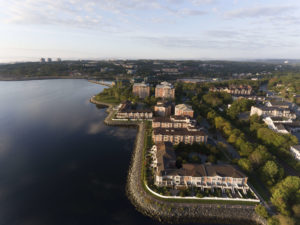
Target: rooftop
164 85
205 170
178 131
272 108
140 85
297 147
184 107
279 103
178 119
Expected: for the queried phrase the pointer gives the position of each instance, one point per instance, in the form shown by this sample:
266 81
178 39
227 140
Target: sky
149 29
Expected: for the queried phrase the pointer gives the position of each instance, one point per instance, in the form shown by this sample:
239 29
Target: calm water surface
59 164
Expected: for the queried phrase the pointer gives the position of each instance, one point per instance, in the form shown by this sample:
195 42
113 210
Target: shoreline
8 78
41 78
174 212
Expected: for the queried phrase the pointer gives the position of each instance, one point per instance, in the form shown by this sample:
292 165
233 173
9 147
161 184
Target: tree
273 221
199 119
246 148
238 106
270 172
245 164
211 115
259 156
232 138
261 210
286 193
286 220
211 158
296 210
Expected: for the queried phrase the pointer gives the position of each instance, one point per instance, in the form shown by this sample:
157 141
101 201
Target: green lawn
107 99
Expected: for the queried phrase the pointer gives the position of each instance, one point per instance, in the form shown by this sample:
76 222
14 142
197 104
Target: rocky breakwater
180 212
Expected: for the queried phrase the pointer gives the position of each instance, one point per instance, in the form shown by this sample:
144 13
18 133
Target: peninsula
162 183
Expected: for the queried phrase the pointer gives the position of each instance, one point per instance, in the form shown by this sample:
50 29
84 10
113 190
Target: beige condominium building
141 90
173 122
187 135
163 109
184 110
165 90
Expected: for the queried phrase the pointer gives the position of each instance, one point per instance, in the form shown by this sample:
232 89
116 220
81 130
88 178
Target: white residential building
272 112
204 176
295 150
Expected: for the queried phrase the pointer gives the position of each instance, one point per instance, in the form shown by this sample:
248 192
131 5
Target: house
127 112
171 71
234 89
279 104
163 109
293 127
187 135
295 150
165 90
163 156
173 122
141 90
272 112
184 110
204 176
277 124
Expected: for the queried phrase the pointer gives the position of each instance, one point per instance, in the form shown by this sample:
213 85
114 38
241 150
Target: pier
100 82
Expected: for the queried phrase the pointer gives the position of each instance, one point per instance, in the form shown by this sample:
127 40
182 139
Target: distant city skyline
141 29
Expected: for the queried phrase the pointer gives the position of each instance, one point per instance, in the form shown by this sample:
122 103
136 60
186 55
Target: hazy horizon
158 29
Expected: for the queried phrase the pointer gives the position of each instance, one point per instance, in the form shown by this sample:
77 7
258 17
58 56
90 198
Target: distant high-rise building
141 90
49 60
58 59
165 90
42 60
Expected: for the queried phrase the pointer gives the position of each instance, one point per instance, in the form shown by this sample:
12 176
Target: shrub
261 210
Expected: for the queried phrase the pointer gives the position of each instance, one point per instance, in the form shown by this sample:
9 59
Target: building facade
165 90
173 122
204 176
234 89
184 110
272 112
141 90
187 135
126 112
162 109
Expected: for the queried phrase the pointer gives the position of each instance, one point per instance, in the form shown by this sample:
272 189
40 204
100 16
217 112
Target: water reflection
59 164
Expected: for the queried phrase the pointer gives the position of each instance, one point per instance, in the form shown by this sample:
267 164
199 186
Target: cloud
107 15
262 11
202 2
228 40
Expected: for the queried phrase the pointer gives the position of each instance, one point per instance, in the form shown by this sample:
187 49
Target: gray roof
166 157
297 147
205 170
